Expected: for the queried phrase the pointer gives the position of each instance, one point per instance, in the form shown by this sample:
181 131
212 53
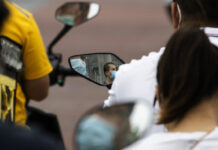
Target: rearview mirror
112 128
99 68
75 13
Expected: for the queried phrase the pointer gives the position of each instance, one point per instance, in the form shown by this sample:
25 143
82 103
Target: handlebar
58 75
63 72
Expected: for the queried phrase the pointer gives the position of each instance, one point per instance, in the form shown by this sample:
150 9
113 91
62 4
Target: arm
37 89
36 65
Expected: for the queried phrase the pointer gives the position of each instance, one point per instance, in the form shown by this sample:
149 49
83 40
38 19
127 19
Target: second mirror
112 128
75 13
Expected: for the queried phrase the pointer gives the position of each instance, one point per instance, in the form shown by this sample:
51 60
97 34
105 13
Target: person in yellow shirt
21 28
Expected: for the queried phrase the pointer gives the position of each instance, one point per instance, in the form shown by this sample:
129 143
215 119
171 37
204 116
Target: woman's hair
187 73
4 12
199 12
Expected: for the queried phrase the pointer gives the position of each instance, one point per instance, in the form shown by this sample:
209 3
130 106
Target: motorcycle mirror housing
114 127
99 68
75 13
72 14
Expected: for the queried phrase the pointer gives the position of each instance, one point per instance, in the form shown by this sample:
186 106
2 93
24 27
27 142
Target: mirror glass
112 128
99 68
74 13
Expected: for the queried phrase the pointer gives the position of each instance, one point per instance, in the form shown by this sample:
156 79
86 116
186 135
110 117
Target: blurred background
128 28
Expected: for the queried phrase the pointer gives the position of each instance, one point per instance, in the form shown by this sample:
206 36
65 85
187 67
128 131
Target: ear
175 15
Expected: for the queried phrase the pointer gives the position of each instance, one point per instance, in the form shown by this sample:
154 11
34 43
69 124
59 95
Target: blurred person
79 65
136 80
188 94
109 72
20 34
168 8
17 138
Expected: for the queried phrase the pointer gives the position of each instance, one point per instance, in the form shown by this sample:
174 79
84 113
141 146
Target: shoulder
18 25
135 80
166 141
146 61
19 11
19 17
152 142
137 70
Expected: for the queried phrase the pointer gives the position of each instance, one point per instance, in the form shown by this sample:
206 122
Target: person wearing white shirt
188 94
137 80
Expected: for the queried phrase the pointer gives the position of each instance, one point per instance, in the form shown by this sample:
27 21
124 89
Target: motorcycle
126 119
71 14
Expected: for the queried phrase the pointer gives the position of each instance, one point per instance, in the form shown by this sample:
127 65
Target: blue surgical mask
79 66
67 20
112 77
95 133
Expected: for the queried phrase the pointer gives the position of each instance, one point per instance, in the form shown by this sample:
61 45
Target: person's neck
202 118
108 81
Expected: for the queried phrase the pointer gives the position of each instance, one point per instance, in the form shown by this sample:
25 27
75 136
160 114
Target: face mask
95 134
112 77
67 20
79 66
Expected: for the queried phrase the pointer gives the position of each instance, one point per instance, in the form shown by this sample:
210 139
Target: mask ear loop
155 101
180 15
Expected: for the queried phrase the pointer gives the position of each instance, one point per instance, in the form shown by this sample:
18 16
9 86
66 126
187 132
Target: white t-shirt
178 141
136 82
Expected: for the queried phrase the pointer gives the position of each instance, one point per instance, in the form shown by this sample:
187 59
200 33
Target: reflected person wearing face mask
78 64
95 133
67 20
109 72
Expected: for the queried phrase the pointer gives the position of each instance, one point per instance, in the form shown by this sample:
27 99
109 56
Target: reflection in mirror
112 128
74 13
99 68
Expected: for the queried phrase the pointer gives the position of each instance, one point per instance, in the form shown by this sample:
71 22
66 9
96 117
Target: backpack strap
11 65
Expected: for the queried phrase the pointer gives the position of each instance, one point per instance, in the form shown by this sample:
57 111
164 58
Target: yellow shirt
21 28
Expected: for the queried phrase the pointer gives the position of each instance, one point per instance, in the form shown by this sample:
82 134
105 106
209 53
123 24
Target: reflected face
112 67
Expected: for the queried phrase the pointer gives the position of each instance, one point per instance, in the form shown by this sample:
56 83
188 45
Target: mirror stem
58 37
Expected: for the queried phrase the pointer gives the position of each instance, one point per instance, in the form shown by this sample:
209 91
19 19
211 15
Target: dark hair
106 66
199 12
4 12
187 73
